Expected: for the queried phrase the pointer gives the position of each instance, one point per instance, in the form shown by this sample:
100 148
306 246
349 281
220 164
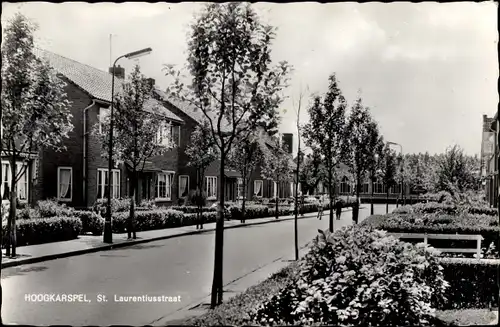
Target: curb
134 242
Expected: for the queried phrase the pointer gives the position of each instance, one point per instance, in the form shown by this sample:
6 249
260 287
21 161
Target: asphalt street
179 269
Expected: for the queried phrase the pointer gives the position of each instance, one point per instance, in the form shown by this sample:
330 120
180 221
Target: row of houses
489 158
79 175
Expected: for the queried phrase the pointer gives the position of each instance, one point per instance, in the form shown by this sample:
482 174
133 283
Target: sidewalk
88 244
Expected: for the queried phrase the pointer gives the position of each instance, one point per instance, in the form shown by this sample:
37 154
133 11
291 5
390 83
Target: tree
233 85
457 172
137 122
388 171
201 152
277 167
312 171
35 109
244 157
359 131
376 143
325 132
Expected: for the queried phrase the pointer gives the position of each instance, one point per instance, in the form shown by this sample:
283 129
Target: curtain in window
22 183
275 189
5 181
258 187
65 180
168 186
116 184
184 186
291 189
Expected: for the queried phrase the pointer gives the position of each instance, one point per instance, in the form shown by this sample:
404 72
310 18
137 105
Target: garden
359 275
50 221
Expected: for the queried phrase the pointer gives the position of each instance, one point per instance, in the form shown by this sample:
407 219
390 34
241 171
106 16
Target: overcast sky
428 71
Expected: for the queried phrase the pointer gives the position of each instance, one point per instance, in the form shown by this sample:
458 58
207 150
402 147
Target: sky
427 71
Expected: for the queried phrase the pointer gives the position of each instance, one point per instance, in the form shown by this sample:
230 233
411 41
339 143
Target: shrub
360 277
91 222
472 284
148 220
27 213
117 205
45 230
236 311
50 208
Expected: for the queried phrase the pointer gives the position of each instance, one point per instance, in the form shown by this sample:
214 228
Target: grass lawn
467 316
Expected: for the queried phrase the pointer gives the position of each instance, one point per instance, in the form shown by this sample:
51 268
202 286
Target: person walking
338 208
320 207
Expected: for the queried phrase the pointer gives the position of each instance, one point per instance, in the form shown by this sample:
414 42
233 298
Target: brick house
489 158
79 175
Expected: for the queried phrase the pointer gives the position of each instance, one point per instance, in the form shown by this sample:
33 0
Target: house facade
489 159
78 176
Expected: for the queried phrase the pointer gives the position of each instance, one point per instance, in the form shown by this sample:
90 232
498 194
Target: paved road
175 267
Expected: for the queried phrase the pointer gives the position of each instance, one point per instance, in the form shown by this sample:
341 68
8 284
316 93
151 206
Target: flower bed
353 267
45 230
192 209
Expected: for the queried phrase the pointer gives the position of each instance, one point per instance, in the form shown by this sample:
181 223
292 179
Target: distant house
489 158
79 176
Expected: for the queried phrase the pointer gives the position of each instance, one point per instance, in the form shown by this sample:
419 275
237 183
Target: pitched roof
191 111
95 82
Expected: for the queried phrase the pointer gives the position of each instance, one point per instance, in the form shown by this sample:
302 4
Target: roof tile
95 82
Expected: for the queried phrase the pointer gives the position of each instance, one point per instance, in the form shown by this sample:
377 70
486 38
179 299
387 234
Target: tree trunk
244 201
330 184
371 205
387 201
217 283
131 218
356 206
277 198
13 205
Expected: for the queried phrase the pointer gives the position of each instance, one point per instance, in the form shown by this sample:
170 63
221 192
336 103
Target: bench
460 237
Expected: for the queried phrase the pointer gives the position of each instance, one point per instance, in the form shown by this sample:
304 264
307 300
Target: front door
146 187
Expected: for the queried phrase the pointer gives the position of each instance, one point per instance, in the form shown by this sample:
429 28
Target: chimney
288 141
119 71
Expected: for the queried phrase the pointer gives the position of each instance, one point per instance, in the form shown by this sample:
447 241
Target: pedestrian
338 208
320 207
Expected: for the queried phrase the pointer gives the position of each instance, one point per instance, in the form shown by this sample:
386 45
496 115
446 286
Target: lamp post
402 163
108 235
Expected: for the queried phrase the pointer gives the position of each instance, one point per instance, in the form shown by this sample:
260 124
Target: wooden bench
460 237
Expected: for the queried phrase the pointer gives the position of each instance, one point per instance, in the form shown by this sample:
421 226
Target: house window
365 188
164 186
257 188
211 187
164 133
183 186
379 188
103 114
103 183
275 190
345 187
396 189
64 183
300 188
22 183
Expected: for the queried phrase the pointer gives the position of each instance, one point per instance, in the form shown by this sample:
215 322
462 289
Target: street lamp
402 163
108 235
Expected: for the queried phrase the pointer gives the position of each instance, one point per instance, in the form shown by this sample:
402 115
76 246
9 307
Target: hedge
486 226
45 230
91 222
148 220
472 283
192 209
441 208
